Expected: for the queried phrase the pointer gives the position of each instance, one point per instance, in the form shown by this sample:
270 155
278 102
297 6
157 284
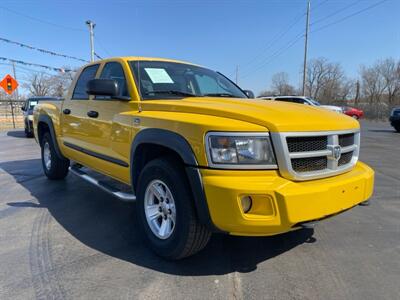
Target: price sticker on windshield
158 75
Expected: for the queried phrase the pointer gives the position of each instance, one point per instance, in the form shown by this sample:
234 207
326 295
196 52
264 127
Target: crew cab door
74 116
109 126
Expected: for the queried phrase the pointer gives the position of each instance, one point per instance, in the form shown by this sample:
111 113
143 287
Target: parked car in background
395 118
353 112
27 108
304 100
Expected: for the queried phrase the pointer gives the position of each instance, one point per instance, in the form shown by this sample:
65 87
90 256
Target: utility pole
91 25
237 75
357 97
306 46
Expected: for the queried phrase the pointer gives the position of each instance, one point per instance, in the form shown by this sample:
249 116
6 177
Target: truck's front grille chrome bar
313 155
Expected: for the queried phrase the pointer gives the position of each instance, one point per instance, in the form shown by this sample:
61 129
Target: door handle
66 111
92 114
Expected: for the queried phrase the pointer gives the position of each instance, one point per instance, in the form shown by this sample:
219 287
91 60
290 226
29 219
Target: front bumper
280 205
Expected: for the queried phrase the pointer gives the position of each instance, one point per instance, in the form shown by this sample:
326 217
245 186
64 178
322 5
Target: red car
353 112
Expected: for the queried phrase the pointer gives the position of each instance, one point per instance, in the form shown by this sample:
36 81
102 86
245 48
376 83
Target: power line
275 39
41 20
276 54
294 41
101 46
41 50
349 16
278 37
20 62
319 4
335 12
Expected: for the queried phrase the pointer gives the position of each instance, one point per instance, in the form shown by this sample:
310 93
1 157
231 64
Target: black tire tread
59 168
198 235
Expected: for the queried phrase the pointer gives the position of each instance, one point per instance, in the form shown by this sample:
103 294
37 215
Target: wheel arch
152 143
45 124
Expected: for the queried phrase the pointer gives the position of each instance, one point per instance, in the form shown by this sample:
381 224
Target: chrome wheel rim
159 208
47 155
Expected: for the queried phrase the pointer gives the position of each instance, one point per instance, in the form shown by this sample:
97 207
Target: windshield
169 80
32 104
315 102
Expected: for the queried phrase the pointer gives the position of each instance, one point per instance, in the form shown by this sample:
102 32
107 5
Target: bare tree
325 80
390 72
41 84
60 84
373 83
38 84
280 84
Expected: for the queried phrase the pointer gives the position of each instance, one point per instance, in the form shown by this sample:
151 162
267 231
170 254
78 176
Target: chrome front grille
307 143
309 164
346 140
311 155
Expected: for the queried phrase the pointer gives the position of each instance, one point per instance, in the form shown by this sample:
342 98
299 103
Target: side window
210 85
114 70
285 99
80 88
299 100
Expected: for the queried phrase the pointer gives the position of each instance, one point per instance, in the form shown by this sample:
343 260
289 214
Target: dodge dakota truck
196 155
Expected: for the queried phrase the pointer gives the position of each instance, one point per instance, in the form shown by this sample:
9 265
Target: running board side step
127 197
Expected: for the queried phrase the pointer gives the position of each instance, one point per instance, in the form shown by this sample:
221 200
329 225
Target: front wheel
397 128
53 166
166 213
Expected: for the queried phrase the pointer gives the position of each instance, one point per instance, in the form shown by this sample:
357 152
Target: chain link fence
11 115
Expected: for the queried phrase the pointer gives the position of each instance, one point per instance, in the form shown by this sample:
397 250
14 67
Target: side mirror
249 93
102 87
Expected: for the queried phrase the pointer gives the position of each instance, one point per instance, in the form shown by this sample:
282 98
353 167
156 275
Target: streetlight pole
306 47
91 25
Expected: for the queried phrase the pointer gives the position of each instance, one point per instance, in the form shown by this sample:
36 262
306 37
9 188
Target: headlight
240 150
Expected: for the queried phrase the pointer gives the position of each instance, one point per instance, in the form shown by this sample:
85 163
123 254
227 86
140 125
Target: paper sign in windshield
158 75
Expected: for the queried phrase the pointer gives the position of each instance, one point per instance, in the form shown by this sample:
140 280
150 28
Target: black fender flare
47 120
180 145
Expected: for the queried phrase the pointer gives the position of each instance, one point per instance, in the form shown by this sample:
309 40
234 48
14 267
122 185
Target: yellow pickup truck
197 155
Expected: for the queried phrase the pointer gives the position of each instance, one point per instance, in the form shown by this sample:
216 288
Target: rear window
87 74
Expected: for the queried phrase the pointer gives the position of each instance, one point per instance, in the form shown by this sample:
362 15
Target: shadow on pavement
107 225
17 134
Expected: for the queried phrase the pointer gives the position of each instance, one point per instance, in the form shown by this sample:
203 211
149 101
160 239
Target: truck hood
276 116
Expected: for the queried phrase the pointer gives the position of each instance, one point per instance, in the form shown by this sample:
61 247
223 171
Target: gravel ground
67 239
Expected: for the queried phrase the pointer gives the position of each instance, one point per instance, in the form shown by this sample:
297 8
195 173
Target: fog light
246 203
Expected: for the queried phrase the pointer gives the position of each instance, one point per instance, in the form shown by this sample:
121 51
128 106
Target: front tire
166 213
54 167
397 128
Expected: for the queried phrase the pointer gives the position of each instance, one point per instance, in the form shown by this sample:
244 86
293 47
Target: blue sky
217 34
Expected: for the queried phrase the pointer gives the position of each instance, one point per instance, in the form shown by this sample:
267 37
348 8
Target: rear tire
397 128
28 133
163 195
54 167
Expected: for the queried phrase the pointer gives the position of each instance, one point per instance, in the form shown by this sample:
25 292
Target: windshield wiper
173 92
220 95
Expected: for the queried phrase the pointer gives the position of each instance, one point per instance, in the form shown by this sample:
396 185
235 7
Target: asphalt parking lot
67 239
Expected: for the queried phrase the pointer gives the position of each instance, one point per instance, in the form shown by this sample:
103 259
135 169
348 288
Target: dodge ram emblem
336 152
